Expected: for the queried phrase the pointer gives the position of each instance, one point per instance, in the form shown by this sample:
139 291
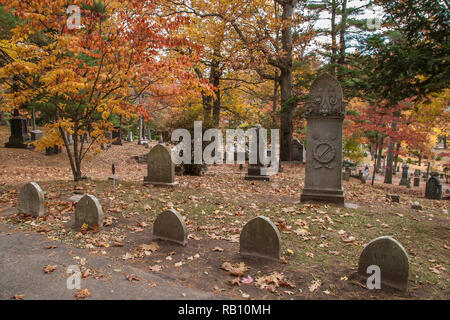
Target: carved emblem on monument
323 152
325 98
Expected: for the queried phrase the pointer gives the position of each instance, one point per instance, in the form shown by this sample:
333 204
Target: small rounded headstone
390 256
170 226
88 211
31 200
260 238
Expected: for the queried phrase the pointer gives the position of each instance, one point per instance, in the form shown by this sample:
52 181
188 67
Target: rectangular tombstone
160 167
297 150
36 135
259 170
117 135
325 113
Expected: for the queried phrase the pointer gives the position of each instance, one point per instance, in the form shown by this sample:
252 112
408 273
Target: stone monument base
163 184
333 196
258 177
18 145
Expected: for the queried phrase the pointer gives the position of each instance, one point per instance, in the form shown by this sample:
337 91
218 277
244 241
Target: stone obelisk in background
325 113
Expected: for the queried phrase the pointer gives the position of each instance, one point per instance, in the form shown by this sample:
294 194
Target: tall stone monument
325 113
19 132
404 179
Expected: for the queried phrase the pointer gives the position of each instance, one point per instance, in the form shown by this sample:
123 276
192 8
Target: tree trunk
380 152
333 37
397 150
389 162
390 158
377 160
342 43
140 130
215 81
275 96
286 82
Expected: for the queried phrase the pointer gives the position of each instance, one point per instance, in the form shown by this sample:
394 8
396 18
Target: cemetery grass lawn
321 244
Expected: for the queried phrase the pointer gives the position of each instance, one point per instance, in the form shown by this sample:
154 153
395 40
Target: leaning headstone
31 200
393 197
389 255
260 238
170 226
88 211
325 113
160 168
433 188
297 150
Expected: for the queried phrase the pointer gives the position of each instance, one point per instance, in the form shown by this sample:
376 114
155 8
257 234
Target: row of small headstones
259 237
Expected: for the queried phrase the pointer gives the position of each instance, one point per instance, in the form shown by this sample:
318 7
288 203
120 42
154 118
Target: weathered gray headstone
160 168
31 200
297 150
416 181
88 211
259 170
117 136
325 113
389 255
170 226
404 179
433 188
346 176
36 135
260 238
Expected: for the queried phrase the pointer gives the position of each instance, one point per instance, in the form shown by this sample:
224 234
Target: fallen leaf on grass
132 277
149 247
52 246
82 293
237 269
155 268
247 280
218 249
17 296
217 289
49 268
126 256
194 237
314 285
